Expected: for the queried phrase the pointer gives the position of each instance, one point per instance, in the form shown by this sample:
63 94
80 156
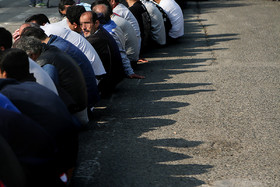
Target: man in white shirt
122 11
175 15
80 42
113 29
157 23
131 41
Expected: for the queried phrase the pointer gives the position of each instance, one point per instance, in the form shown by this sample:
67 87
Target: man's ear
3 74
97 23
34 56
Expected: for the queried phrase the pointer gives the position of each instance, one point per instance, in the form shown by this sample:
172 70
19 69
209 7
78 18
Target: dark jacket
33 147
84 64
143 18
108 51
47 109
70 76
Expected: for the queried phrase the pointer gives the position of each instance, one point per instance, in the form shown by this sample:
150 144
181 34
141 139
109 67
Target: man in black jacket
107 49
70 76
141 14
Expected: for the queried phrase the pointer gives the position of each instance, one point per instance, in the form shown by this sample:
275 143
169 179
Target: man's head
104 9
73 17
40 19
89 23
64 5
36 32
17 33
32 46
14 64
6 39
113 3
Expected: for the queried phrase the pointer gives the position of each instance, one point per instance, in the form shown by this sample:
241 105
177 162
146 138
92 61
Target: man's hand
16 35
135 76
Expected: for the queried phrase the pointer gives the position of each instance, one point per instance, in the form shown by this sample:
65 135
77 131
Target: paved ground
207 114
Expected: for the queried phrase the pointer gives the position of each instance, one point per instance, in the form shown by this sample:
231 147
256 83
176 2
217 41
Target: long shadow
133 139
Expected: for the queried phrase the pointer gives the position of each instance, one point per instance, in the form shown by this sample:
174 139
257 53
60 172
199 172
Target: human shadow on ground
135 135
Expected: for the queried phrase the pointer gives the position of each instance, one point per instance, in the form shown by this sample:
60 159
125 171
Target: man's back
144 21
47 109
83 63
157 23
70 75
175 15
108 51
131 42
125 13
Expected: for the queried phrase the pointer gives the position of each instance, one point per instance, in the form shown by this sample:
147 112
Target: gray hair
29 44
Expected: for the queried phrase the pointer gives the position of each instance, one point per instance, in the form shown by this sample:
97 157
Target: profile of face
87 25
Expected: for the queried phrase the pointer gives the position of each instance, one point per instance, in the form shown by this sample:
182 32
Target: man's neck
46 40
157 1
130 2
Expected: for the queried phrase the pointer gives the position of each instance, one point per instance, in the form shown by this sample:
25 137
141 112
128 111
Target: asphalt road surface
207 114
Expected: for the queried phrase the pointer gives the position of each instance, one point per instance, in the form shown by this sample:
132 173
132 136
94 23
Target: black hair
107 14
15 63
40 19
74 13
62 3
6 38
35 32
94 16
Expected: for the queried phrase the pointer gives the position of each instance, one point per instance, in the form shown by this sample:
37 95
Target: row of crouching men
53 74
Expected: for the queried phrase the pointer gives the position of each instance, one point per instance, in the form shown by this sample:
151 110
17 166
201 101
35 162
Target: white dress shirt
157 23
41 76
80 42
175 14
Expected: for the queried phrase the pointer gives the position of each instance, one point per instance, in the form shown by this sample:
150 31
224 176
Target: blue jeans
52 72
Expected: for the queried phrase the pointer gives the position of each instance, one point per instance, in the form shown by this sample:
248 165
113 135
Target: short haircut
40 19
15 63
62 3
6 38
107 14
29 44
74 13
35 32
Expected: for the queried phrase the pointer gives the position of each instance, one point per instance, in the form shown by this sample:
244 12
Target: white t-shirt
41 76
131 42
62 23
157 23
175 14
125 13
80 42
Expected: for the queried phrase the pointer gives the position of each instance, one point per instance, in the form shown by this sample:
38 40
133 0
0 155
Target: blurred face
74 27
87 26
